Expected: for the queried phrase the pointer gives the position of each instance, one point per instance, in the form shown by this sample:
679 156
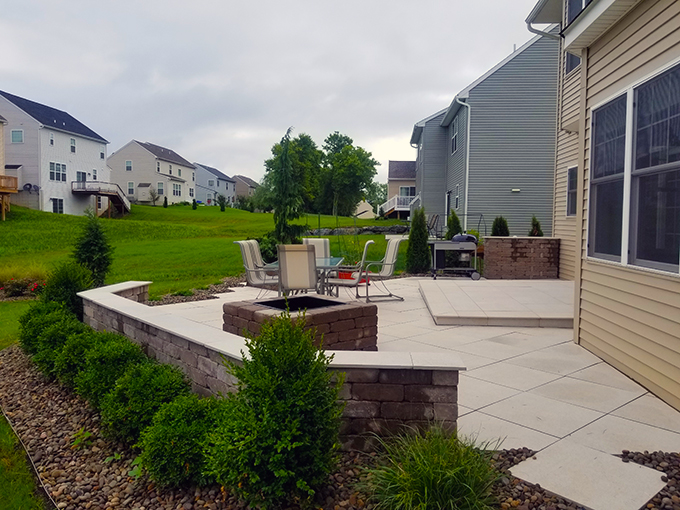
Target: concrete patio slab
520 303
589 477
651 411
485 428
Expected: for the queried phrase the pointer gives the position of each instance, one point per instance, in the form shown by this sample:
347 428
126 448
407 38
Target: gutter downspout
467 160
540 32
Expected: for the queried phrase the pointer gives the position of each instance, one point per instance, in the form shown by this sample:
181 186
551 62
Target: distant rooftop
247 180
165 154
215 172
52 118
401 170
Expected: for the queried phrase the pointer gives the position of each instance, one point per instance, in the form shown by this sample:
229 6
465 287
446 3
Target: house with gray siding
210 182
492 151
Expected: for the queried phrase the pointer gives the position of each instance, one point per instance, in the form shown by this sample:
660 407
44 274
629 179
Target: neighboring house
210 182
245 186
59 163
364 210
401 189
8 184
139 167
627 155
492 151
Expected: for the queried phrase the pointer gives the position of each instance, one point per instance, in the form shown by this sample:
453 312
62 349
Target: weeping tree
287 195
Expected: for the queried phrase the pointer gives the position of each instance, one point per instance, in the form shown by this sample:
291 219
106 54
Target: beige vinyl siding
630 316
393 186
570 97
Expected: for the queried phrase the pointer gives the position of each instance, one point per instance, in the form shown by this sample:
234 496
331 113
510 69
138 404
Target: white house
139 167
59 162
210 182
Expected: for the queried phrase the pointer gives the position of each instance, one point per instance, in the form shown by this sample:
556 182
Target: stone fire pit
344 326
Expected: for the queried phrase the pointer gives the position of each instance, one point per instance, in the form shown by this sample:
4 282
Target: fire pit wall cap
397 360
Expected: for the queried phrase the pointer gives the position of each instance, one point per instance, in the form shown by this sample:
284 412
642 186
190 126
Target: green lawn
10 311
176 248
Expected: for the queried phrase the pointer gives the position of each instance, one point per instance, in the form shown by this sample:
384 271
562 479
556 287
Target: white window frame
454 136
457 202
193 176
191 192
179 172
571 192
57 205
73 145
159 188
211 182
158 166
130 186
57 172
80 174
627 243
94 174
170 170
52 139
128 165
99 202
17 131
176 190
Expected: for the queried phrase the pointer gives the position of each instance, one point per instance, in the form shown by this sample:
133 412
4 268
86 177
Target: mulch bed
47 417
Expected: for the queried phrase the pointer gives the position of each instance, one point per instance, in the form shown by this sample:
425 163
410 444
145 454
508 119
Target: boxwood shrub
52 340
71 360
172 447
104 364
130 406
64 283
39 316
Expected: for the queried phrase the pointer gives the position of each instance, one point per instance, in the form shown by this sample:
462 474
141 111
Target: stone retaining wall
521 258
383 392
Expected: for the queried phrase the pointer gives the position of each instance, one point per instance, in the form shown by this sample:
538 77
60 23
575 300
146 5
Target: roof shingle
165 154
401 170
215 172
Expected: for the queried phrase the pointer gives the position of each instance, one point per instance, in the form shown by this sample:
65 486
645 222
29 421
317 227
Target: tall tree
287 195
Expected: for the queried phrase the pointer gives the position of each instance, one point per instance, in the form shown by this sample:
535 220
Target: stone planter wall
383 391
521 258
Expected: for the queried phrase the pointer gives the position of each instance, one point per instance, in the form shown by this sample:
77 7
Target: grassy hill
176 247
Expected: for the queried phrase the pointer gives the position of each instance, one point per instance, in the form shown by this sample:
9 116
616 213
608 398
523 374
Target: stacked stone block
344 327
521 258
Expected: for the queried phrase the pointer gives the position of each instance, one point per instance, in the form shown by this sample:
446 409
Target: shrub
130 406
172 447
64 283
268 247
194 205
222 202
71 360
92 249
276 437
418 252
432 470
38 317
535 230
500 227
104 364
453 226
165 202
52 340
16 287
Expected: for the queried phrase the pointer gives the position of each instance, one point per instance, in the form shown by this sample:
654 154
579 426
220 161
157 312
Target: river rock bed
82 469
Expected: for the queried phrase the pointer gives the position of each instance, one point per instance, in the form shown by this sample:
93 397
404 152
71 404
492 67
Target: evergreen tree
453 226
165 202
535 228
500 227
92 249
418 252
194 205
287 194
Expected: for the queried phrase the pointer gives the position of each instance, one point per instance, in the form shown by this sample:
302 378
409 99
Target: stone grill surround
383 391
344 327
521 258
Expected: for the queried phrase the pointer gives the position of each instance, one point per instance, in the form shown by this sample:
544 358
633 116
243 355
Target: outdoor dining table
324 266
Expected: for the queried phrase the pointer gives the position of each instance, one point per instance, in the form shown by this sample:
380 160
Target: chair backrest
297 267
321 245
256 253
250 253
390 260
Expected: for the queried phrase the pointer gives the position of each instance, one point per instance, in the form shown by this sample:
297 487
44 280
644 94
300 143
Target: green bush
172 447
453 226
38 317
64 283
130 406
52 340
500 227
432 470
71 360
276 437
165 202
418 252
194 205
535 230
104 364
92 249
268 247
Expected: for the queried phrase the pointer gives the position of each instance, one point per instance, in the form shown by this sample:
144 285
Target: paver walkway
532 387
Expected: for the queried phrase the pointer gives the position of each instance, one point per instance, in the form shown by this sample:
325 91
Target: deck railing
107 188
8 183
397 203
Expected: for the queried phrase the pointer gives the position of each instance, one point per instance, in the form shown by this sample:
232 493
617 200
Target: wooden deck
8 185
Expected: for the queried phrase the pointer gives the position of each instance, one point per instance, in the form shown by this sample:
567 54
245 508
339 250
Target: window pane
571 63
606 218
17 136
573 8
658 225
609 137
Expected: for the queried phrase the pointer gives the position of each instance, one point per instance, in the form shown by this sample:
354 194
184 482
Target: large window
128 166
407 191
606 189
131 188
653 170
57 171
160 189
58 205
176 190
571 190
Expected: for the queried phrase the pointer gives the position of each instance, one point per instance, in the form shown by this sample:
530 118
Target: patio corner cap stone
437 361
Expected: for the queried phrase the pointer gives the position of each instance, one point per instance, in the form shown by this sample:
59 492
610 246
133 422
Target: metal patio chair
357 274
297 268
384 269
321 245
256 275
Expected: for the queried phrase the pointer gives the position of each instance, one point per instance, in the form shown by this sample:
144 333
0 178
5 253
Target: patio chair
432 226
297 268
357 274
321 245
385 269
256 275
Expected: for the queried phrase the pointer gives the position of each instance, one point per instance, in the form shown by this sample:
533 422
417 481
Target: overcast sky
221 81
